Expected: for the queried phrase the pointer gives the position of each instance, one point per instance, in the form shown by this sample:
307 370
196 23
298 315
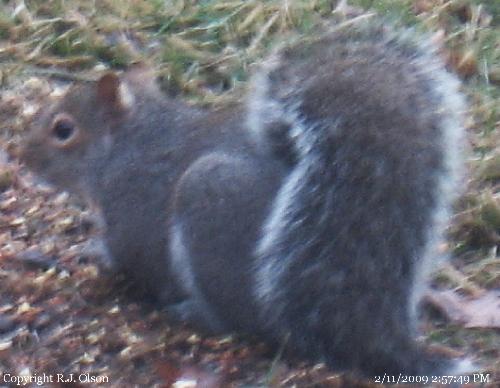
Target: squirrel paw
190 312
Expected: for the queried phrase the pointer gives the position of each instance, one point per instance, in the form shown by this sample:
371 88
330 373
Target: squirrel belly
309 215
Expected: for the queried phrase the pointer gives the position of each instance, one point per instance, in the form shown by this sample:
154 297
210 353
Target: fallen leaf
479 312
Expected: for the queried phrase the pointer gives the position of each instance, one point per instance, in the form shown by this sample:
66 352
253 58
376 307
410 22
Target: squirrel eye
63 130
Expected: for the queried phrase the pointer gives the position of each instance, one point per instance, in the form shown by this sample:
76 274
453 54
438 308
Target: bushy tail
374 123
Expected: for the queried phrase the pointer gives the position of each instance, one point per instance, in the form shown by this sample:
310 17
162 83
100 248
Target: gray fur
180 262
309 214
273 270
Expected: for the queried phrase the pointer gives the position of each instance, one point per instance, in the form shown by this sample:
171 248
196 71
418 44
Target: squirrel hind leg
194 309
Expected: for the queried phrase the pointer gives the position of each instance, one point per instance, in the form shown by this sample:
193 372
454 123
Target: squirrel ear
113 92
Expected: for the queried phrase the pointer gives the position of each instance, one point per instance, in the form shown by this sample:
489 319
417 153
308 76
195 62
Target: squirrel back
310 214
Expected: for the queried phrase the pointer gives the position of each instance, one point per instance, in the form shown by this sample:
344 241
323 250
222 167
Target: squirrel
309 213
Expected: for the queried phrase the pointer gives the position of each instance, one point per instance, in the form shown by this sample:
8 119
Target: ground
60 314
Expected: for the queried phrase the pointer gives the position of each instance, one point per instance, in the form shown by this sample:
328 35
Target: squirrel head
67 136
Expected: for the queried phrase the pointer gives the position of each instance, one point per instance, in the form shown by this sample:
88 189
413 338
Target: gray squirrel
309 214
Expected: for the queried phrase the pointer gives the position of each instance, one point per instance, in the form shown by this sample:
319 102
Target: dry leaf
480 312
464 63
